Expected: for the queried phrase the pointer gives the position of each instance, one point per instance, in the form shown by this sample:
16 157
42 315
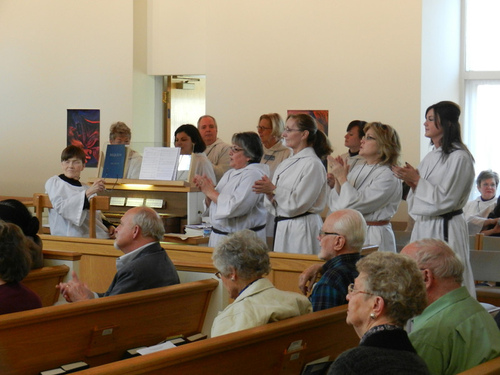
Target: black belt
255 229
281 218
447 217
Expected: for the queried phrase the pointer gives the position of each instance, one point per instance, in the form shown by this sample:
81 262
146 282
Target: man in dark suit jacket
145 264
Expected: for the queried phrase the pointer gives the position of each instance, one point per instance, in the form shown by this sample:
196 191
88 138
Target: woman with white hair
242 262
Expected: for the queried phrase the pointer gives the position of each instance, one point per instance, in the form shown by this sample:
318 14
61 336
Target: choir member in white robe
441 185
232 205
189 140
371 188
297 193
217 151
352 140
270 128
70 198
476 211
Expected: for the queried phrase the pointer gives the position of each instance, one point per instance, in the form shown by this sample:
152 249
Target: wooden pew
42 201
485 267
100 331
492 367
99 257
43 282
259 350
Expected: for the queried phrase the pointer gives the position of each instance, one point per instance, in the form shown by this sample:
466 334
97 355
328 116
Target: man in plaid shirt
341 239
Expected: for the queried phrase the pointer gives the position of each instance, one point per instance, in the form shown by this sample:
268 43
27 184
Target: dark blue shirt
331 289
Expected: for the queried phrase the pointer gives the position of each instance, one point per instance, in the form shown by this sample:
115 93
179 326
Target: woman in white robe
232 205
270 129
70 199
476 211
297 193
370 187
188 139
441 185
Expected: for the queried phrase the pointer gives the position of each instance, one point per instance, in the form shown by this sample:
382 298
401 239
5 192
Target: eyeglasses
351 290
217 274
236 149
368 138
260 128
322 233
288 130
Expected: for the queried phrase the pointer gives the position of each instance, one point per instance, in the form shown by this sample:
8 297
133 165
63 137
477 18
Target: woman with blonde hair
370 187
388 292
270 128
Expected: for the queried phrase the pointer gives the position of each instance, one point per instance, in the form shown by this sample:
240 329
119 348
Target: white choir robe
301 187
67 217
238 207
444 186
476 212
376 193
273 157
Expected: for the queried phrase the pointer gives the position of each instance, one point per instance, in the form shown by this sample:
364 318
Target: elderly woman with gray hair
242 261
388 291
232 205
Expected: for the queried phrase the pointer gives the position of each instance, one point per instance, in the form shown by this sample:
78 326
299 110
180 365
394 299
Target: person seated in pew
341 240
15 264
476 211
242 261
388 291
145 264
70 199
454 333
14 211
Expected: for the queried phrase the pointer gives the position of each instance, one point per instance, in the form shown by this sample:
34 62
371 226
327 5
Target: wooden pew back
492 367
43 282
100 331
259 350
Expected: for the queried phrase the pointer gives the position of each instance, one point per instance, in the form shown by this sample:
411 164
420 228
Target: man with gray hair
341 239
217 151
145 264
454 333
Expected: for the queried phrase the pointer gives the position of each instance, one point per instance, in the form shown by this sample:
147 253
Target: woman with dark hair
352 140
370 187
188 139
441 185
232 204
14 211
15 264
70 199
297 194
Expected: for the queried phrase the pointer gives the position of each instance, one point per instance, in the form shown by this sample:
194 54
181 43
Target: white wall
57 55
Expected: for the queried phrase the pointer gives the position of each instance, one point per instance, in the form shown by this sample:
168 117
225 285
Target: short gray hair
150 223
243 251
486 175
352 225
397 279
119 128
437 256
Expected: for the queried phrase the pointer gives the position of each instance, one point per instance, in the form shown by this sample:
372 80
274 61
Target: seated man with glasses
341 240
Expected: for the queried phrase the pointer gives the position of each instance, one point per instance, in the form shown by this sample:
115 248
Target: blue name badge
269 157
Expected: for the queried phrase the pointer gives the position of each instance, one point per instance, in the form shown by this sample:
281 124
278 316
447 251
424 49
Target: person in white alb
442 184
370 187
217 151
476 211
297 193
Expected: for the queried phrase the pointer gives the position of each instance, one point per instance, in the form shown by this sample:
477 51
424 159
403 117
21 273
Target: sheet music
159 163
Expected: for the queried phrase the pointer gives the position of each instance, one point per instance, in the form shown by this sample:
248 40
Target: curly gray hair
244 252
